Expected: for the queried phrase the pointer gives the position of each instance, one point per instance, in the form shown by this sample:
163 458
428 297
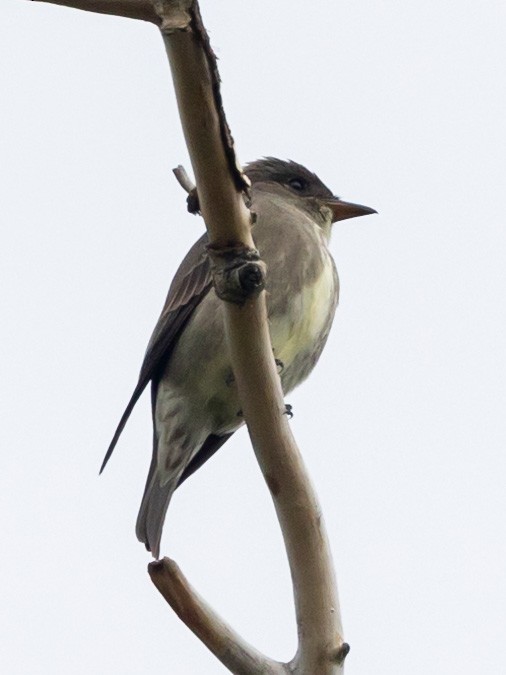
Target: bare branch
317 607
236 654
315 594
133 9
210 147
221 196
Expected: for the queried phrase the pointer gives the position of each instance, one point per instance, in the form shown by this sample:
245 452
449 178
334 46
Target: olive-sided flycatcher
194 399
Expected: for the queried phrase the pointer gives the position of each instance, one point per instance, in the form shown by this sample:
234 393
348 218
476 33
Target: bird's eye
297 184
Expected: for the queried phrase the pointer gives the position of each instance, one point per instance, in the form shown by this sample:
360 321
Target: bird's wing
190 284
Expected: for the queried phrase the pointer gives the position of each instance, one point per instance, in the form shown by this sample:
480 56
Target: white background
401 106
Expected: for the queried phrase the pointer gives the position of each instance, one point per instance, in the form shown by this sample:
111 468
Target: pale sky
400 106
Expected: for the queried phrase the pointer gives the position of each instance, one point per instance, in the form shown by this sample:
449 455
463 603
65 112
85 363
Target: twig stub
238 272
341 653
184 180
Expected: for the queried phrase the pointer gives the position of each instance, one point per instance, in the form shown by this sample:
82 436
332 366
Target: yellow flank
298 331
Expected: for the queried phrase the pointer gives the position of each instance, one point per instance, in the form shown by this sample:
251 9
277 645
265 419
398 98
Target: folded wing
189 286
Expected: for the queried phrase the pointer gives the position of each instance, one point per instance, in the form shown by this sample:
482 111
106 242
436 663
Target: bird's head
297 183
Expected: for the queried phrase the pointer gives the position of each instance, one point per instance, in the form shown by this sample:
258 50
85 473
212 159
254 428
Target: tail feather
152 513
157 495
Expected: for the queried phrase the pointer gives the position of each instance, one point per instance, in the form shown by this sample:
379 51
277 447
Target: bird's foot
288 411
280 365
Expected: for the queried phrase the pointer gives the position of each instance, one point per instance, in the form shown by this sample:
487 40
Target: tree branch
133 9
210 145
221 191
236 654
316 602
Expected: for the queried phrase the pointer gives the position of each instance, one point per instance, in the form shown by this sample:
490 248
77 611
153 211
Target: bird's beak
343 210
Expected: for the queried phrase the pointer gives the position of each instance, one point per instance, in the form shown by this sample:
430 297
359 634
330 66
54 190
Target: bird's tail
152 512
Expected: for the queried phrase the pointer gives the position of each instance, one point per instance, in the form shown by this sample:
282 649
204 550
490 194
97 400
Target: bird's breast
307 316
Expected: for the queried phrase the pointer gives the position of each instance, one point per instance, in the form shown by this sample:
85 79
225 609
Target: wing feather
189 286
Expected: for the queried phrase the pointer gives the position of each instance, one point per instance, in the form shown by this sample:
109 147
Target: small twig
229 647
183 179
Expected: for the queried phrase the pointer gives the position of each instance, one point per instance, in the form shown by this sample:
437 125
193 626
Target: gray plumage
194 399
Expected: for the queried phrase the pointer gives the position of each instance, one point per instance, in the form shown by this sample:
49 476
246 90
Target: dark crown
270 169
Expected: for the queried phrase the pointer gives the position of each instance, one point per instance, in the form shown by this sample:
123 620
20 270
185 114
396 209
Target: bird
195 405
